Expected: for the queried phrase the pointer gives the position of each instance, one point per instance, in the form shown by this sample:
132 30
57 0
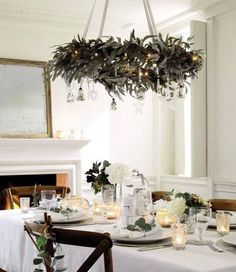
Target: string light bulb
195 58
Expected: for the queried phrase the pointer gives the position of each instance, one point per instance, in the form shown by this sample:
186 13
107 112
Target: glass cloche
136 199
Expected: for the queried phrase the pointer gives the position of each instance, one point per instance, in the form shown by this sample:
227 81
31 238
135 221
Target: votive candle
179 236
222 223
164 219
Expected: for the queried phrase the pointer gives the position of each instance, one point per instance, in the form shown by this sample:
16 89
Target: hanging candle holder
113 104
70 96
81 96
182 89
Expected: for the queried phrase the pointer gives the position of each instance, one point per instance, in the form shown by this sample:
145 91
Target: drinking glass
48 197
201 218
24 203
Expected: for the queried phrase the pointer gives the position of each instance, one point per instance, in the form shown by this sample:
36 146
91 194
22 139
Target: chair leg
108 263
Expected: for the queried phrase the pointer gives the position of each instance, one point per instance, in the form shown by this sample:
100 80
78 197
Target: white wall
221 104
122 136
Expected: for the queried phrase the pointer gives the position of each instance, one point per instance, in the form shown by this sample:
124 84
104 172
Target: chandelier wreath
133 66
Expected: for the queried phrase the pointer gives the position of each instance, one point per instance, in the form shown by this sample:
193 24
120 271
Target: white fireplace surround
43 156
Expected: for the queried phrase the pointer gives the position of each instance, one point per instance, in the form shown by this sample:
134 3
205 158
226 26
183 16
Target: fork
216 248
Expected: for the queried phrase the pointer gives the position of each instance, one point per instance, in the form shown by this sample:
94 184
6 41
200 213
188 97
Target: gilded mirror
25 100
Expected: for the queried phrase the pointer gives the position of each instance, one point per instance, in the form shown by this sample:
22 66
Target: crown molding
204 11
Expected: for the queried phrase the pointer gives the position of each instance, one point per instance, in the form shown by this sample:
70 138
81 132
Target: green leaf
140 222
37 261
58 257
131 227
147 227
41 242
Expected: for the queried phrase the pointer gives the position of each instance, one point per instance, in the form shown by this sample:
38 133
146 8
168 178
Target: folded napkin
48 204
59 217
160 204
124 233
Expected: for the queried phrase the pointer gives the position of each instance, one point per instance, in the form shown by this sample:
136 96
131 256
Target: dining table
17 251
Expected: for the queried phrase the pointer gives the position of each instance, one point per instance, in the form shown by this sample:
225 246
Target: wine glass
48 197
201 218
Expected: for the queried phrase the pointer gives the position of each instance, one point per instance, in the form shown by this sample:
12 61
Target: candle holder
113 212
222 223
179 236
164 219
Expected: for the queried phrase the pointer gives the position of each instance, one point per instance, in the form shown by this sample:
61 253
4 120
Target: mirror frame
47 88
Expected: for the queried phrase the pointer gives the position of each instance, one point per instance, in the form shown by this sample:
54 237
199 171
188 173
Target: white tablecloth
17 253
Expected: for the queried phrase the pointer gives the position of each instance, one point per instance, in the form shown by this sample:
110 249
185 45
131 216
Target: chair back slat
157 195
223 204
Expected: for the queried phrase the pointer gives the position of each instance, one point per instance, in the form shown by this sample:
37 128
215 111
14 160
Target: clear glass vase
108 193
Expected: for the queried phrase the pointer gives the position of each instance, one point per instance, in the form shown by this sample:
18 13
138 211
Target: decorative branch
132 66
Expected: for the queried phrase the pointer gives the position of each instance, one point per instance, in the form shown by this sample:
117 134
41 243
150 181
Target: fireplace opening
29 180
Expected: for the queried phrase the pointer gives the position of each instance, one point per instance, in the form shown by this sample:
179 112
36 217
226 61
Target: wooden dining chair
101 242
157 195
14 193
223 204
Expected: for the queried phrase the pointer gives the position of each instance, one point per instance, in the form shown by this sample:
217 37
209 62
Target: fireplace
32 157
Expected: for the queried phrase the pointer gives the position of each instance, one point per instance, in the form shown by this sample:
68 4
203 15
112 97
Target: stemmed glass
201 218
48 197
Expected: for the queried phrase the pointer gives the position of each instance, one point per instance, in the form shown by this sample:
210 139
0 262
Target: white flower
117 172
177 206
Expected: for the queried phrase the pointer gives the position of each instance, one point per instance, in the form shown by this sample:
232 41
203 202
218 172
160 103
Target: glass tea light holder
24 204
222 223
113 212
179 235
164 218
98 211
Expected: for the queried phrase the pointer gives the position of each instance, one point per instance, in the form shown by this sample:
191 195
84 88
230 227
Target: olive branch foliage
130 66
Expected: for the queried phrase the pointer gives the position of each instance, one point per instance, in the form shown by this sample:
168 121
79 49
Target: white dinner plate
58 218
143 240
230 238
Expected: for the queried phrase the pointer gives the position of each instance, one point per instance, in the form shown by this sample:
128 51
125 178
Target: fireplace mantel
40 149
43 156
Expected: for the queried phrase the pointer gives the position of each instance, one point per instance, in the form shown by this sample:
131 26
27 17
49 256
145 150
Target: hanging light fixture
133 66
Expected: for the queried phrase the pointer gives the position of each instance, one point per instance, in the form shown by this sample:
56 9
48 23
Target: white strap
89 21
103 18
149 17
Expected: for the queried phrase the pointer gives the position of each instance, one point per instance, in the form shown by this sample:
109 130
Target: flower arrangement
181 202
117 172
106 173
97 176
192 200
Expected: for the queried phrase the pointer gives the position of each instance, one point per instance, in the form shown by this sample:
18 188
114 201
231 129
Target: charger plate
230 239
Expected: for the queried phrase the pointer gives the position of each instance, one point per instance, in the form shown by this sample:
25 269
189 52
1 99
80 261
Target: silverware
216 248
150 248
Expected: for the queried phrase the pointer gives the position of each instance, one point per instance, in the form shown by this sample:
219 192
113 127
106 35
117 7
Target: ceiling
122 15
